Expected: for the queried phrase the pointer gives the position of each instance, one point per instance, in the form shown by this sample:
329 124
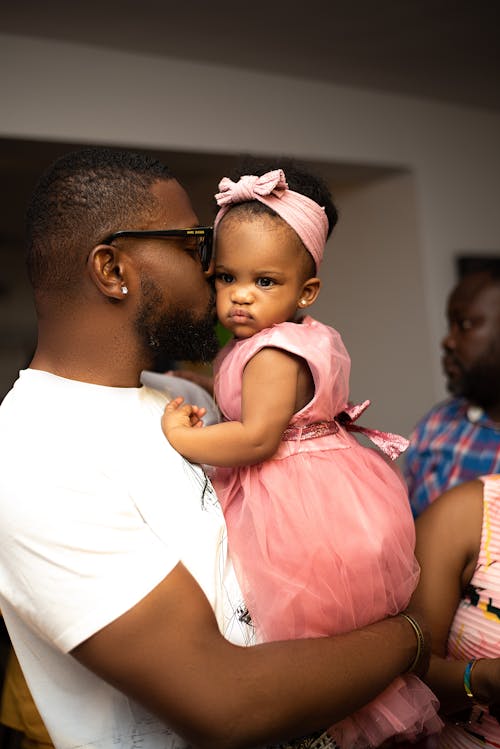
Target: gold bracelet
420 640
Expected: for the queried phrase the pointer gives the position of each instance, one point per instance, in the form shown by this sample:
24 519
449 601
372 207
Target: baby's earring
302 303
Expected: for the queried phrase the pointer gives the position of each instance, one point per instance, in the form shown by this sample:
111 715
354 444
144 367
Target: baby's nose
242 294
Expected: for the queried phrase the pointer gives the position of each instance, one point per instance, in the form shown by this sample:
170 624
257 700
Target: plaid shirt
455 442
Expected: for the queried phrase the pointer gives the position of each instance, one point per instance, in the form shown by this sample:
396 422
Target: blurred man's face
471 359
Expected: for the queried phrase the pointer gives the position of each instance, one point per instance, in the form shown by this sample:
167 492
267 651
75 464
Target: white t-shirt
96 508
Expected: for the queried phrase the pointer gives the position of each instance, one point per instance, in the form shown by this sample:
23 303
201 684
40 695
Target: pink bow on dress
390 444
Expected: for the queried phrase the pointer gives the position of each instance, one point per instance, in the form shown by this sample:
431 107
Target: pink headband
305 216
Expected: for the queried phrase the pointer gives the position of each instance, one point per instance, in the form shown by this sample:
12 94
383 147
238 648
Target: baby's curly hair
299 179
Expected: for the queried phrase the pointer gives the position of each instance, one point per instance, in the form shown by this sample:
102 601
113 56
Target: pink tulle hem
405 711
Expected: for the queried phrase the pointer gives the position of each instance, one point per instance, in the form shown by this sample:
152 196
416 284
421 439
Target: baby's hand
177 415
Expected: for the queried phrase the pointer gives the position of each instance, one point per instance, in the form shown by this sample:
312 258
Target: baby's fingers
174 404
197 414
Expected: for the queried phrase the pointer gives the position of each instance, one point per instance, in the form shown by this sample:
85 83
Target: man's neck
492 412
87 372
101 362
96 347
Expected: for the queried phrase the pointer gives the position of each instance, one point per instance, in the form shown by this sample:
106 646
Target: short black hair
82 197
299 178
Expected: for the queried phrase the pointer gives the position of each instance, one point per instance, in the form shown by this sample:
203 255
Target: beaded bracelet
467 673
420 640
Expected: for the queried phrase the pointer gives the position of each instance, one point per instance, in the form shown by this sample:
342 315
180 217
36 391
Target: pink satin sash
391 444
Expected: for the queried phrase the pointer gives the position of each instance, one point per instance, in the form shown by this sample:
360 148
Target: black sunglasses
203 234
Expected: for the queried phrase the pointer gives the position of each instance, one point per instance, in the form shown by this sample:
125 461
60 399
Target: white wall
57 91
373 292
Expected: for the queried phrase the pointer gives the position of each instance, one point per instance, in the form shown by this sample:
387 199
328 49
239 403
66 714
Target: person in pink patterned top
458 546
319 526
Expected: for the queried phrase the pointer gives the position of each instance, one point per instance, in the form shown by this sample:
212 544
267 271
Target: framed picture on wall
471 263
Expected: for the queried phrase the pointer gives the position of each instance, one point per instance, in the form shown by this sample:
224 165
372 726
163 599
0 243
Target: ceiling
447 50
440 49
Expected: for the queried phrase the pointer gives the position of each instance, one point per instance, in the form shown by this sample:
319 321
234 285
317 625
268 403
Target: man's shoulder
15 408
451 408
444 418
173 387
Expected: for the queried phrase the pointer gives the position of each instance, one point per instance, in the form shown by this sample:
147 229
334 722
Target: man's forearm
168 654
293 688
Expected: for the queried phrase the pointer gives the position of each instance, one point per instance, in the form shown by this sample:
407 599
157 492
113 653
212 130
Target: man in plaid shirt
459 439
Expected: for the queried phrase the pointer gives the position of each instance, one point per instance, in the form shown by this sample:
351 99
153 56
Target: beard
479 385
455 374
176 334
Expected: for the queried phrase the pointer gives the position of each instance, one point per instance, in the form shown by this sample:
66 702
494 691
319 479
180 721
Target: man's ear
107 271
309 293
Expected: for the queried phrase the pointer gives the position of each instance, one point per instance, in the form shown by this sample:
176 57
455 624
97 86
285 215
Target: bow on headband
250 187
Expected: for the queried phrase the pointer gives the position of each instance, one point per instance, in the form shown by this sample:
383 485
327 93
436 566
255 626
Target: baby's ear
309 293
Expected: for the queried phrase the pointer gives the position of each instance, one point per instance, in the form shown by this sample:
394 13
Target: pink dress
321 534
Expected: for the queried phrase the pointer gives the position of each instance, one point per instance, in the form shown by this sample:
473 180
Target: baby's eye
224 277
265 282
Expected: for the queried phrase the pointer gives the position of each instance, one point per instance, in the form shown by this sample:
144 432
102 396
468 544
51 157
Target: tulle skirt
322 539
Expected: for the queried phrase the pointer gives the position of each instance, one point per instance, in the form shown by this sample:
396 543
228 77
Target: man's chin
454 388
454 381
453 372
178 336
201 350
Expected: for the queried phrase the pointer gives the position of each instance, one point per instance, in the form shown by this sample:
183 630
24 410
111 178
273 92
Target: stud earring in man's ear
124 290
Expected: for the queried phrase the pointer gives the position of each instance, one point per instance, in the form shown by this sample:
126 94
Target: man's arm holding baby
168 654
